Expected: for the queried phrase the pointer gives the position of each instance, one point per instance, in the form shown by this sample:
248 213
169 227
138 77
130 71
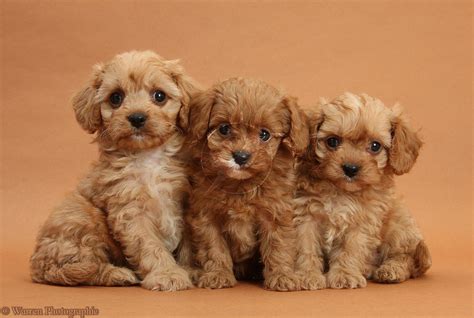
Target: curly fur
355 228
124 220
240 217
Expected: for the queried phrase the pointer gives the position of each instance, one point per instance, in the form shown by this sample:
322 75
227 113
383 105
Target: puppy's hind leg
111 275
400 267
403 252
84 268
70 274
394 269
422 260
74 248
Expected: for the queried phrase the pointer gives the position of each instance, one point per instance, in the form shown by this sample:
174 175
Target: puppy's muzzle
137 120
241 157
350 169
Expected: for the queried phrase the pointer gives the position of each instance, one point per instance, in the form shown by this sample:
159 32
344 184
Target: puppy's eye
224 129
159 97
333 142
265 135
375 147
116 99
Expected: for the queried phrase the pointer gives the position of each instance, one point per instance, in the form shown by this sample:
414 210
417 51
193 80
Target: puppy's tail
422 259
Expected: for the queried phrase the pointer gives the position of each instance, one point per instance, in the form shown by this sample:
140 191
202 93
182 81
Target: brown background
418 53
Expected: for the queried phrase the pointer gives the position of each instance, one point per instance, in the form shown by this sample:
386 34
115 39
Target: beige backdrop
417 53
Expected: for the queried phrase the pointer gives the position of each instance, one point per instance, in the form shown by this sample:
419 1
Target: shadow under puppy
349 220
125 216
242 138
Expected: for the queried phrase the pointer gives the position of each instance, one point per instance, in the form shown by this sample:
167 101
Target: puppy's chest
155 182
157 173
333 209
336 213
340 210
240 228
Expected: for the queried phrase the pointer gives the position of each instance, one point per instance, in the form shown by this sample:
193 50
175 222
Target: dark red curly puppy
243 136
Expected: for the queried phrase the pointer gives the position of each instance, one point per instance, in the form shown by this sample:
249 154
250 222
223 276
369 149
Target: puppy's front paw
216 279
340 279
312 280
391 273
170 280
282 282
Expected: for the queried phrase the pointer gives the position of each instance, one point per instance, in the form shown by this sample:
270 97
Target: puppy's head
238 126
356 140
132 101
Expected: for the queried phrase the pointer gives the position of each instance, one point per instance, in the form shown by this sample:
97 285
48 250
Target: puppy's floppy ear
405 144
85 107
315 120
194 119
298 137
187 85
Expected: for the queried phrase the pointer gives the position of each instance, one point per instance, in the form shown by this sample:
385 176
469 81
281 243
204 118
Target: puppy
124 221
349 221
242 138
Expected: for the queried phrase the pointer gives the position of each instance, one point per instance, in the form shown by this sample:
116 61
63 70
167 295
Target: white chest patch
160 178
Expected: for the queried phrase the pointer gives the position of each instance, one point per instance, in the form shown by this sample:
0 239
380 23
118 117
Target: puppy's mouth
138 135
145 132
140 139
350 184
356 183
236 171
350 179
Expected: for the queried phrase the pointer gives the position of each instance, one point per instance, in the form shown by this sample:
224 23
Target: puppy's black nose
350 169
137 119
241 157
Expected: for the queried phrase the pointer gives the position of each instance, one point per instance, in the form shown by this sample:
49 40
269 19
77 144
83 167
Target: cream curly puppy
124 221
350 222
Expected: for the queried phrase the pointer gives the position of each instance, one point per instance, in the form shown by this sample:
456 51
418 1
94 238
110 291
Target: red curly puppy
243 136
